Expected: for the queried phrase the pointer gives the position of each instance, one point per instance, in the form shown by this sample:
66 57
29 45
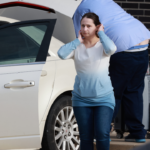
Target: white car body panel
56 77
16 105
22 109
25 142
8 19
46 87
53 48
59 78
64 81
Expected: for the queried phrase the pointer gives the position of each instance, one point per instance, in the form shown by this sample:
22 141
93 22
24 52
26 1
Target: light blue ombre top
125 30
92 84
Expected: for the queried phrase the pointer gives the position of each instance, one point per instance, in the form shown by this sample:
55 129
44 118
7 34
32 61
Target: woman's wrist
101 28
100 33
77 41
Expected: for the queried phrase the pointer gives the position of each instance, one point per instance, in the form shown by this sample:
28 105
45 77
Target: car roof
9 20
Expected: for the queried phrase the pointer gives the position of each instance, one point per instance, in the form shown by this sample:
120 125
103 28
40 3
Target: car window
21 44
36 33
3 23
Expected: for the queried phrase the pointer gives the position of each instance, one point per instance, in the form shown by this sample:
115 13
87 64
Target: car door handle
19 84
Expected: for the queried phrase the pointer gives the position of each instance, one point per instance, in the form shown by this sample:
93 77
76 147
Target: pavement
120 144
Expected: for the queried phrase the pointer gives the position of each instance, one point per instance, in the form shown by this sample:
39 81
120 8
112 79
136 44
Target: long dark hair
92 16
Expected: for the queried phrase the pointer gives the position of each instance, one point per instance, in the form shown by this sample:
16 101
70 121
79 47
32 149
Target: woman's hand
80 37
101 28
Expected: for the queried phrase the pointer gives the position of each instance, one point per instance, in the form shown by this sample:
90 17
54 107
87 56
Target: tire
61 130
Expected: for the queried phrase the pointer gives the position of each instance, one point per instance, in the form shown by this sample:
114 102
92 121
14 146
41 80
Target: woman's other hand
101 28
80 37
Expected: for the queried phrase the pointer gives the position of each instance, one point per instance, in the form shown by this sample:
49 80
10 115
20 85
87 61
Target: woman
129 63
92 98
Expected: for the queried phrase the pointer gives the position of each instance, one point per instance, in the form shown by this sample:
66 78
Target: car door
23 51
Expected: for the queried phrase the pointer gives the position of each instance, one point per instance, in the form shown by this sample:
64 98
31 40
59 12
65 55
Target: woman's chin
86 36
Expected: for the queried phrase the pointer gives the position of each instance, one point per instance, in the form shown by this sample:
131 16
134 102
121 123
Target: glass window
21 44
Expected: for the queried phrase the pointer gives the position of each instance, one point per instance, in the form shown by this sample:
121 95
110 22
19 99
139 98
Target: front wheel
61 129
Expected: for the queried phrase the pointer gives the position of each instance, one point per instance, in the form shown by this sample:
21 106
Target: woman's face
88 28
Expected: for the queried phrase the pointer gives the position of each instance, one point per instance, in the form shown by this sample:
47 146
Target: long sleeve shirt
92 81
122 28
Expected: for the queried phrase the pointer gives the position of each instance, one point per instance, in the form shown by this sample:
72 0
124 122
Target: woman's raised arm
67 51
108 44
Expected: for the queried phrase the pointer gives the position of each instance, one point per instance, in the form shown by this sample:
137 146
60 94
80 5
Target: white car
35 88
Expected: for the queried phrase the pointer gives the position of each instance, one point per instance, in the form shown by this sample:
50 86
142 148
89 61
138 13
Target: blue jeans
94 121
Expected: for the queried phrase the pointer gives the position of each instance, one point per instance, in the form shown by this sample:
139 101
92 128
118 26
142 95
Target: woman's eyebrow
86 24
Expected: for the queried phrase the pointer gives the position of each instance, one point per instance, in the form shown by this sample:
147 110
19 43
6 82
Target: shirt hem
112 107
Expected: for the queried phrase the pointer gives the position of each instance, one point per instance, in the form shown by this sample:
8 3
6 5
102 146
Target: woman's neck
91 41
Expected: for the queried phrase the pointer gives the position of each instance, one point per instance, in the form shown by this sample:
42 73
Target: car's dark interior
16 45
3 23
